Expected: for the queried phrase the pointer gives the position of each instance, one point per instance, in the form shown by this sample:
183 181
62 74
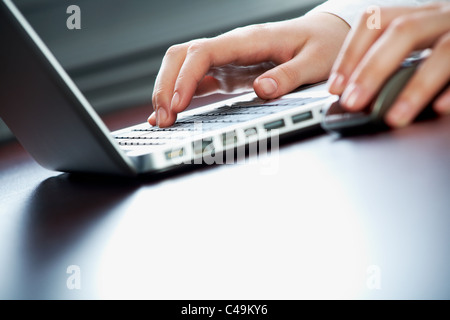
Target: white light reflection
238 234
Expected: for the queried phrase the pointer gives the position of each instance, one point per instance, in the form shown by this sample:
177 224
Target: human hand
370 56
273 58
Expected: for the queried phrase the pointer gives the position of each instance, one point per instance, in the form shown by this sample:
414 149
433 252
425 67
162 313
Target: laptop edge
37 86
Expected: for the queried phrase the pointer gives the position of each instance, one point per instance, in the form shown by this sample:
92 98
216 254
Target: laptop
58 127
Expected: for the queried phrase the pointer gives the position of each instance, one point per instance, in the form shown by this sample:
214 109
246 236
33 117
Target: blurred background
116 55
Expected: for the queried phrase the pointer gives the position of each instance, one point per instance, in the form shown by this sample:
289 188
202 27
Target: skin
369 56
272 58
275 58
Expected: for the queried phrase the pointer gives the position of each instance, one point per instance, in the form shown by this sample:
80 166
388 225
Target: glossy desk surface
325 217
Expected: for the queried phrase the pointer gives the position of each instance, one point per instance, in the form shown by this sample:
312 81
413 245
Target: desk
364 217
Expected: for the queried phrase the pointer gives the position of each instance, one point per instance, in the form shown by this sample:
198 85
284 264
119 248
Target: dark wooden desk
362 217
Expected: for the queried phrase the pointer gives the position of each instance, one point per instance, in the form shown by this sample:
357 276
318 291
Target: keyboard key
219 118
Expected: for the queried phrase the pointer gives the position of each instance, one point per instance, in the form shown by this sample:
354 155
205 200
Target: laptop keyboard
219 118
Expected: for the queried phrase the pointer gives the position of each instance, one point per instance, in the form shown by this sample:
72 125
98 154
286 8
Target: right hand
370 56
287 53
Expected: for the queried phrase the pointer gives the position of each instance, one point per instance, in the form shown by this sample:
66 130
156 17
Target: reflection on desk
360 217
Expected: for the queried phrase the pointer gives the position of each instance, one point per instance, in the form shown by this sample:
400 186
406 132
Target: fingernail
351 95
175 101
268 86
336 83
161 116
399 115
148 119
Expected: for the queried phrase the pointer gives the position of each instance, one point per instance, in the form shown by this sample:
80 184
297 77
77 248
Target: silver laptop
58 127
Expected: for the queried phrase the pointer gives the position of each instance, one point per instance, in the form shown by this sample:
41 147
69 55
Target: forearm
351 10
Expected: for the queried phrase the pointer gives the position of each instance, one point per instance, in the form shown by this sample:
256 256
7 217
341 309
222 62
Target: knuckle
405 25
262 30
258 28
366 15
443 44
254 31
238 30
197 46
158 97
174 50
289 74
202 53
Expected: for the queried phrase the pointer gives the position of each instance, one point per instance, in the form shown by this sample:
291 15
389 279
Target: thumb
288 76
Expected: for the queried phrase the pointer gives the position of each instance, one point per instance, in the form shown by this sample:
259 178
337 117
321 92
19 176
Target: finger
355 45
360 39
152 119
404 35
310 65
161 113
244 46
427 82
226 79
288 76
165 118
442 103
165 80
366 33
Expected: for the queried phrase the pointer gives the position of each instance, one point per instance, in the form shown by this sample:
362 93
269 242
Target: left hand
370 56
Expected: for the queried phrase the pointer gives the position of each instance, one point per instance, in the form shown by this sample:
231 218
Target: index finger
165 81
244 46
417 30
359 41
